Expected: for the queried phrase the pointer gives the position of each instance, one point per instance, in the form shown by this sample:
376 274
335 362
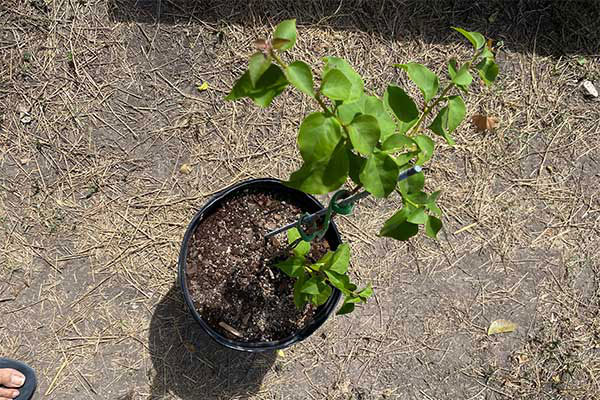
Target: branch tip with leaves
366 138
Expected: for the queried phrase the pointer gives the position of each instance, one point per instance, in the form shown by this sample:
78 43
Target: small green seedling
368 138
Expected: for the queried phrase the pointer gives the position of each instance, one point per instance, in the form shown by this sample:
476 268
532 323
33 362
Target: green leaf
335 85
241 88
379 174
347 111
302 248
402 106
353 299
426 145
368 105
398 228
356 165
324 293
398 143
349 302
300 298
318 138
315 266
456 113
431 204
488 70
286 30
340 259
257 66
423 77
319 265
357 85
403 159
320 177
463 77
364 133
434 196
452 68
417 217
366 292
418 198
311 286
487 53
412 184
270 84
293 266
300 75
340 281
449 118
439 126
433 208
476 38
346 308
432 227
374 106
292 235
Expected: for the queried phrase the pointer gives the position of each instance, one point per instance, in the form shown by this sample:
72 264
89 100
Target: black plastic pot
307 203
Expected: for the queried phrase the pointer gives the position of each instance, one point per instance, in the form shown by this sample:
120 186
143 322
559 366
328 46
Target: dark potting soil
231 271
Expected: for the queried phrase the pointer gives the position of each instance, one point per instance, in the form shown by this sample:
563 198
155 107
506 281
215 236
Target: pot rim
323 311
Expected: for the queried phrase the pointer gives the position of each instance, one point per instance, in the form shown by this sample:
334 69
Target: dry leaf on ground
185 169
522 358
501 326
483 123
202 86
189 347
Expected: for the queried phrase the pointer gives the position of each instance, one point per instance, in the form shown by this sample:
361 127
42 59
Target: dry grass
93 206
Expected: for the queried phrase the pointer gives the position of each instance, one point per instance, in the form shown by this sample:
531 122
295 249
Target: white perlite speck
590 89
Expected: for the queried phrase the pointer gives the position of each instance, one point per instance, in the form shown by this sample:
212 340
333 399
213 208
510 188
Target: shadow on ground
190 365
555 27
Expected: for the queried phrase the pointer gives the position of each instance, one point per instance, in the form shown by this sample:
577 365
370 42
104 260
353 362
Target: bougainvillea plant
368 138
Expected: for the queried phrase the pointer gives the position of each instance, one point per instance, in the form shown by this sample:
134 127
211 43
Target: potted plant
252 290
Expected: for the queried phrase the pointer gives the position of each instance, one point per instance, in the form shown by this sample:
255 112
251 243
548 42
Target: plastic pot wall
308 204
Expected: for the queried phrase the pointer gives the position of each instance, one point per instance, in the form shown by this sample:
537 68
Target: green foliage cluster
314 281
367 138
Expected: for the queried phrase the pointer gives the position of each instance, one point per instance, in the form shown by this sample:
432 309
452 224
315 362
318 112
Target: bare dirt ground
99 110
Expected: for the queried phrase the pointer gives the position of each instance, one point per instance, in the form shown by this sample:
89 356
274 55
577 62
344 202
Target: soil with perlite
231 272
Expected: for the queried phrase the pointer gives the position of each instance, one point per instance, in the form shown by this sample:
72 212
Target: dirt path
99 109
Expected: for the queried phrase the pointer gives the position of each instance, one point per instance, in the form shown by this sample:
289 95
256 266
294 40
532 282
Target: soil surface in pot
231 273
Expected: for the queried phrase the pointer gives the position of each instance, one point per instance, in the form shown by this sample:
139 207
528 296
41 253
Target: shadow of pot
189 364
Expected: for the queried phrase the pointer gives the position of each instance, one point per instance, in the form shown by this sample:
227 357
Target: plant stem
318 98
278 59
407 199
283 65
322 104
428 108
